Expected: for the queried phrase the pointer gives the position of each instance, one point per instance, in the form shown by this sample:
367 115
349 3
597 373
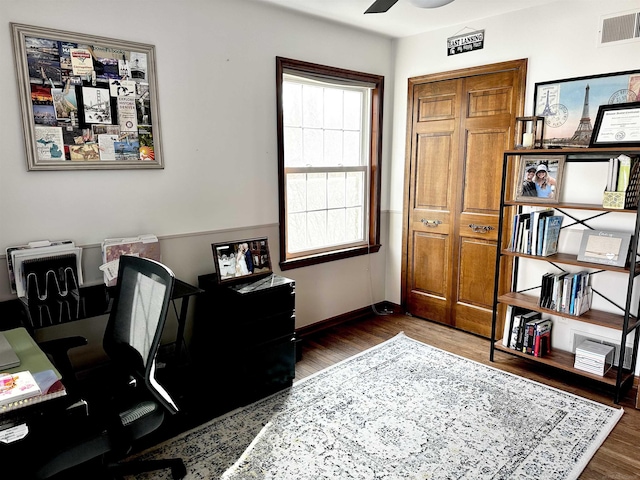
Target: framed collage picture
87 102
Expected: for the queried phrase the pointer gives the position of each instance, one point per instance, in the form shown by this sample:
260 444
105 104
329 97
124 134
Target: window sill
328 257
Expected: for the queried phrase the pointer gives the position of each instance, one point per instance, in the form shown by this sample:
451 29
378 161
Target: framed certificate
617 125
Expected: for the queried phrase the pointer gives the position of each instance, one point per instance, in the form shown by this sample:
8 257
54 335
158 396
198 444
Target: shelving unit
625 322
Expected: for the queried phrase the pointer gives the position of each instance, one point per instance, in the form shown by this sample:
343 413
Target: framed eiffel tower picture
570 105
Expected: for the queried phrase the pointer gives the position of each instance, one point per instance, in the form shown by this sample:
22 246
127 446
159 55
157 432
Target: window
329 147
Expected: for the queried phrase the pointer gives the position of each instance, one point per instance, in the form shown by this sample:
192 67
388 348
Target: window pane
352 110
354 224
351 155
354 190
333 111
296 192
333 147
292 104
297 231
312 98
336 232
335 190
316 191
313 147
293 149
317 229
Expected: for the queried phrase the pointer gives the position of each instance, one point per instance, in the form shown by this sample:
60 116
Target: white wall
559 41
216 85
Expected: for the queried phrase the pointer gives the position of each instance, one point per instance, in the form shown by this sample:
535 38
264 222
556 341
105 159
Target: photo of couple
540 178
241 259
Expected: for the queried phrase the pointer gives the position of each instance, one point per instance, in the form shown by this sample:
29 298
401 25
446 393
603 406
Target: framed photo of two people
539 178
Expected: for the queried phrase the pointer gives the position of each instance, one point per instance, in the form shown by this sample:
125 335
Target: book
594 357
542 338
558 283
535 223
552 225
624 172
528 329
50 387
576 289
21 386
508 325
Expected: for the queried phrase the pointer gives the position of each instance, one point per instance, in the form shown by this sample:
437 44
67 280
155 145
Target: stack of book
594 357
566 292
536 233
527 332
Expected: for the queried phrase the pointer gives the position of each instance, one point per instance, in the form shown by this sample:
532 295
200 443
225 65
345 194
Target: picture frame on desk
87 102
240 260
617 125
539 178
605 247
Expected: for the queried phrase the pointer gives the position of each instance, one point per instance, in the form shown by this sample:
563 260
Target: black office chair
122 413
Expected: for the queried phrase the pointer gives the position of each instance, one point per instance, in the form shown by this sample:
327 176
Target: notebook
8 358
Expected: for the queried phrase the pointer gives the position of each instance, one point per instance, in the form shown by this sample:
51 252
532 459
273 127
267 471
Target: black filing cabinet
244 338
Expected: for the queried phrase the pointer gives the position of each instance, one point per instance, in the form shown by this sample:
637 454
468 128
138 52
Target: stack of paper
594 357
146 246
16 256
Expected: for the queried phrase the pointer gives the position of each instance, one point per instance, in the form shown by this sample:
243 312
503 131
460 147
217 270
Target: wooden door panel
489 102
437 107
430 282
432 171
473 309
483 171
477 257
430 264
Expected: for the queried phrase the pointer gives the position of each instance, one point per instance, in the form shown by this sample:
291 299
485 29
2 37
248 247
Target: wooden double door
458 125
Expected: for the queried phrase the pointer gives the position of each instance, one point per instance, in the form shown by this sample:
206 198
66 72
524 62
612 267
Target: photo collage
90 103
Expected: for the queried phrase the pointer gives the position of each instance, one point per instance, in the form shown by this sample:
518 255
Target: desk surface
31 357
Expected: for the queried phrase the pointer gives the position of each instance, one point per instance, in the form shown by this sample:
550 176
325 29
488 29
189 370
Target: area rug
400 410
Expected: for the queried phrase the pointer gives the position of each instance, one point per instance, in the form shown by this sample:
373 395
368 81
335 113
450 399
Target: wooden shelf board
564 361
569 259
595 317
603 153
566 205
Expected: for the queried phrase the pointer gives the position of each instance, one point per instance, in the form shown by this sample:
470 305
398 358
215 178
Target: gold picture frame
87 102
539 187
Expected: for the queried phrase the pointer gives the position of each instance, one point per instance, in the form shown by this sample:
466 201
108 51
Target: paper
603 247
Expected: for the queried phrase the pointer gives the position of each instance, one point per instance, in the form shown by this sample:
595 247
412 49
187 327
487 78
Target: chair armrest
58 350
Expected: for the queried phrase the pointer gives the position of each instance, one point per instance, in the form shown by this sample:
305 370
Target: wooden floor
619 456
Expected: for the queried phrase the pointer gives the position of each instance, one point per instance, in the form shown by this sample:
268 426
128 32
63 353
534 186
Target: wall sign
87 102
465 43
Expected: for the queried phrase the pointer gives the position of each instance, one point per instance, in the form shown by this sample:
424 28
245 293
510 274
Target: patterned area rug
401 410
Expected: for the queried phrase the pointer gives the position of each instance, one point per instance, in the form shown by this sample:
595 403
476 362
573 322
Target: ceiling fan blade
381 6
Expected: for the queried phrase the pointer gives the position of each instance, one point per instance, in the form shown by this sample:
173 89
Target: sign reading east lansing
465 43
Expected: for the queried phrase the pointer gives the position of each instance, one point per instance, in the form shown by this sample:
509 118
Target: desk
92 301
33 359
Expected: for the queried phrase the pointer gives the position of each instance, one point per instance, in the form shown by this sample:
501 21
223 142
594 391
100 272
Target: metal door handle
430 223
480 228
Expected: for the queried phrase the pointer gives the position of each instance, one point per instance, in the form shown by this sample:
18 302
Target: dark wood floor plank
619 456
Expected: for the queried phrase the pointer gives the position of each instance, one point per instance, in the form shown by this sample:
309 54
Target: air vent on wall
620 27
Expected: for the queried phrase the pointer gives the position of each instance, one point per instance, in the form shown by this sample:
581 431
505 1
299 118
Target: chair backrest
134 330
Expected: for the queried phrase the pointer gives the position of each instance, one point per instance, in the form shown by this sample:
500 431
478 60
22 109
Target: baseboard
361 313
